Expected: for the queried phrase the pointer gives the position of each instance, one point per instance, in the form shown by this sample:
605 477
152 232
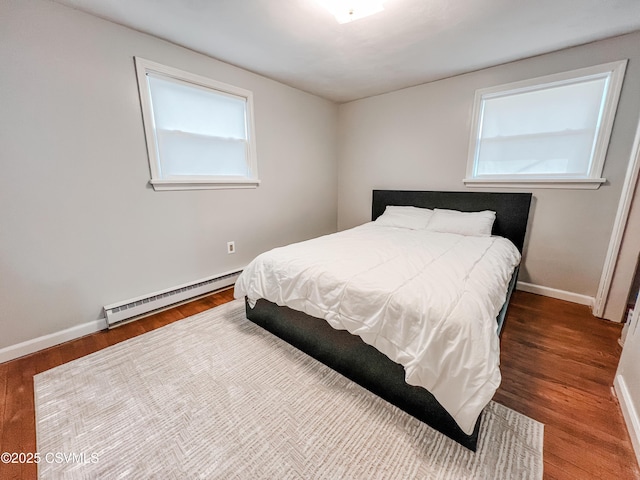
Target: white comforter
427 300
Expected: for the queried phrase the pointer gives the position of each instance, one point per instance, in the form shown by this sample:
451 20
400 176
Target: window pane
199 131
564 153
188 154
189 108
547 131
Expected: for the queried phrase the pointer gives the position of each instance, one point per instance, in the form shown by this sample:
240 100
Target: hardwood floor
558 364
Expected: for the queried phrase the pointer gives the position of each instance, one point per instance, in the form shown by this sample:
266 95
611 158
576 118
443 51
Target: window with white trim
548 132
199 131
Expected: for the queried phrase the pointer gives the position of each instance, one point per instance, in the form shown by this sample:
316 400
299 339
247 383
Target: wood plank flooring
558 364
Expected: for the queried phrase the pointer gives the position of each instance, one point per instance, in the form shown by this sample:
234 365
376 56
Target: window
199 132
549 132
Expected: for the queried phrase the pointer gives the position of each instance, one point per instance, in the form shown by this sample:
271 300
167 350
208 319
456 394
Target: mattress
426 300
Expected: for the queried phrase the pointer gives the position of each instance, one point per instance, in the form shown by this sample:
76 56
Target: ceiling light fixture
349 10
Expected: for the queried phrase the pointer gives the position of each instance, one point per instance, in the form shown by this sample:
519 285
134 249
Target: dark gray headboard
512 209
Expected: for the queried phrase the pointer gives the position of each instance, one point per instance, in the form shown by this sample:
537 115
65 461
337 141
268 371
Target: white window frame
614 72
192 182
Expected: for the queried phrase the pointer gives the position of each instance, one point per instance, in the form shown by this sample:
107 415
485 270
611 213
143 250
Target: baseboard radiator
135 308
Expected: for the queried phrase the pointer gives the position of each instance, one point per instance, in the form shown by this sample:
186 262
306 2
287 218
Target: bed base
349 355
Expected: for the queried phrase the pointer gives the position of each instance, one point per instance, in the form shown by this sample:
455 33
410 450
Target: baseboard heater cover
129 310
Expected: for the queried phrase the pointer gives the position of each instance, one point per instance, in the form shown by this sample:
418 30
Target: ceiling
411 42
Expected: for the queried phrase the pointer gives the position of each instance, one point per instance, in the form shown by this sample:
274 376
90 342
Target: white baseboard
629 413
31 346
555 293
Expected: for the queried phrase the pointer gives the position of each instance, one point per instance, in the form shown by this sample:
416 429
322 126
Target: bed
424 382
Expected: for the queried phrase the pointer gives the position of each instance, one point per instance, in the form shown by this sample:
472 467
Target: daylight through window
199 131
552 130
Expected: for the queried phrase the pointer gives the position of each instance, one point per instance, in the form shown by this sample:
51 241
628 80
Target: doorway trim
622 216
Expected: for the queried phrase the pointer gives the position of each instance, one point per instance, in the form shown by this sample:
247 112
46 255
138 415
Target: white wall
79 225
418 138
627 381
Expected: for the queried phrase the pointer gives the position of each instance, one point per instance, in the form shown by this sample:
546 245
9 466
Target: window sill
195 184
566 183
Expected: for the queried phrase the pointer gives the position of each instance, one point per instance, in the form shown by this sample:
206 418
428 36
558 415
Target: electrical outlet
231 247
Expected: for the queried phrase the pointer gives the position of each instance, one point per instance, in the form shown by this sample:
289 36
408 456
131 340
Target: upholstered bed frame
362 363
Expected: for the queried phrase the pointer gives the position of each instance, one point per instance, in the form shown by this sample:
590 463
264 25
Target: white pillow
405 217
474 224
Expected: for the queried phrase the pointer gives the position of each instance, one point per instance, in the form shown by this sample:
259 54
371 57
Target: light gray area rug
215 396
